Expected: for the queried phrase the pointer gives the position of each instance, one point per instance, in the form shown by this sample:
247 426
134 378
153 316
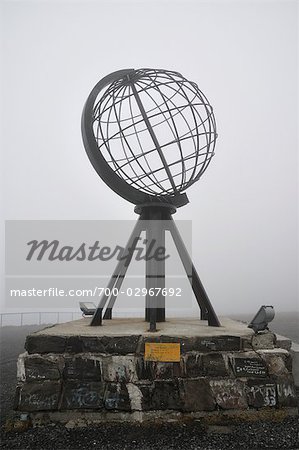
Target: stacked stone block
110 373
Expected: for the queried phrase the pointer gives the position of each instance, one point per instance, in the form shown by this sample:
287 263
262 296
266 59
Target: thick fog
242 54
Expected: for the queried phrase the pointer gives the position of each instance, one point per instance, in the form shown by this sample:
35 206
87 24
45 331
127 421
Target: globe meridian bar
96 158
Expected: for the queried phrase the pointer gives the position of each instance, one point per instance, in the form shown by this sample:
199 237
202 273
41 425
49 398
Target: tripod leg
120 270
112 300
119 281
202 298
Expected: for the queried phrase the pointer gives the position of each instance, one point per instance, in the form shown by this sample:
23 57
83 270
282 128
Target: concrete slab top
137 326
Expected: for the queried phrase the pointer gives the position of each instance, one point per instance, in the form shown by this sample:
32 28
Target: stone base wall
88 374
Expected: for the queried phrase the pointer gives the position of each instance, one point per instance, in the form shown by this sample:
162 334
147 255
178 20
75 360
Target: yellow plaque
162 352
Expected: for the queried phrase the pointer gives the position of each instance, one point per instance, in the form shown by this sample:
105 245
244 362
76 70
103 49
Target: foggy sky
243 56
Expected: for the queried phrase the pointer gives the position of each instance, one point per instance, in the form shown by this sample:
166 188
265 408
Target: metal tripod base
155 219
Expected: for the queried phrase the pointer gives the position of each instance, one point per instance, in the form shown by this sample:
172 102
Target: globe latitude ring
144 183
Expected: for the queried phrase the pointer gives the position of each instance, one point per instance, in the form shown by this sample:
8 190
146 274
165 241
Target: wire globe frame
149 133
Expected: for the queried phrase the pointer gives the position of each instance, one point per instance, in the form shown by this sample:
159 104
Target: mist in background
243 55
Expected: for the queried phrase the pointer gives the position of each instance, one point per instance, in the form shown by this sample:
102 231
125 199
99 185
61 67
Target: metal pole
155 269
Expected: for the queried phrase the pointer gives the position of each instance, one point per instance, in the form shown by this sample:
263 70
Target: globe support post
155 220
155 269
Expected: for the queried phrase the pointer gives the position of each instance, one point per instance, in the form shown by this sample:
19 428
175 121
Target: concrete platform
128 327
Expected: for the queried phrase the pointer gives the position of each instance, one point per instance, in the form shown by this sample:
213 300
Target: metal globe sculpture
150 134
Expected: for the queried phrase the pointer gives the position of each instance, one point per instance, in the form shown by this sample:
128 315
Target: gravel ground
169 436
189 435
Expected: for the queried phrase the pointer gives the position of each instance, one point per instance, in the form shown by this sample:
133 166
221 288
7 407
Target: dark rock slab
155 370
144 369
82 395
213 365
48 367
74 344
288 360
38 396
82 367
196 395
117 397
121 345
261 393
193 365
213 344
146 389
166 395
43 343
113 345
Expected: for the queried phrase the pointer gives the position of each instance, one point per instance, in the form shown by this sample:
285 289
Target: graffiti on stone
83 395
260 395
229 394
286 392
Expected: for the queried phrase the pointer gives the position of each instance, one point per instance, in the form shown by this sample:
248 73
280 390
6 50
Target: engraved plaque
246 367
163 352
